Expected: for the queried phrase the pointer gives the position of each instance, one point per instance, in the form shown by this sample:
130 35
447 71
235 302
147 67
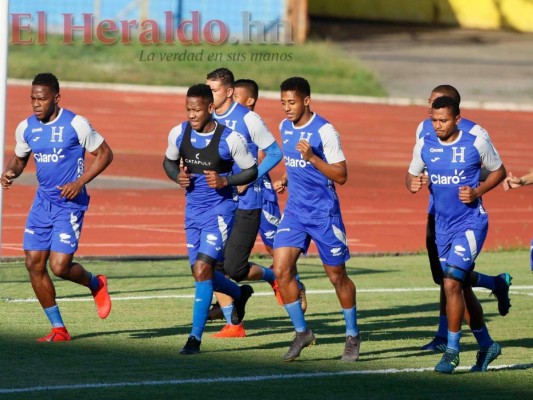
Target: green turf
329 68
140 340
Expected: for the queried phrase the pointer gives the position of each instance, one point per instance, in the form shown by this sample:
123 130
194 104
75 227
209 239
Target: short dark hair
447 102
448 90
297 84
46 79
223 75
201 90
250 85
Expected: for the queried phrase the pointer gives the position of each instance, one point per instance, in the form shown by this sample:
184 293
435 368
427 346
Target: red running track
136 211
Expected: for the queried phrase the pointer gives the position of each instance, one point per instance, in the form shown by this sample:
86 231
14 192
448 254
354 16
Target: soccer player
314 161
208 150
248 215
453 159
58 139
498 284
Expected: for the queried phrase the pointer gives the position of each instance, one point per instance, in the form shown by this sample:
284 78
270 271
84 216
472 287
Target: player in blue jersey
314 162
58 139
453 159
248 214
499 285
208 151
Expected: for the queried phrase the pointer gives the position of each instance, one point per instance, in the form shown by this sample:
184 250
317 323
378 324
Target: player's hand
511 182
417 182
70 190
305 150
7 179
184 177
279 186
214 180
241 189
467 195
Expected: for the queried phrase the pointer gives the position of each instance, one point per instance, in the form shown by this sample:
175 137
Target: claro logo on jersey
454 179
295 162
49 158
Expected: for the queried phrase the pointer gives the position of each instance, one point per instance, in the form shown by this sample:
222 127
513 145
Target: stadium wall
476 14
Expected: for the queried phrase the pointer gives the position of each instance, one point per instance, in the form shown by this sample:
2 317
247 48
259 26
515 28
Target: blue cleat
501 292
485 356
437 344
448 362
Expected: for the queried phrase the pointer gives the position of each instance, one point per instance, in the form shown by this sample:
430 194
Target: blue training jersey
58 149
450 166
203 201
425 128
311 193
251 126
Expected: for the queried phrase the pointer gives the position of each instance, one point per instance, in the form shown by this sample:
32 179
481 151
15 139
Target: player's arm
514 182
265 141
415 178
14 168
281 184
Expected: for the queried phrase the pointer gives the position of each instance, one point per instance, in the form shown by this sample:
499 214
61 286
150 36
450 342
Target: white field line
256 378
516 290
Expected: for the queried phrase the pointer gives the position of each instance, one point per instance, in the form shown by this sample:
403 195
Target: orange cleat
275 288
101 298
57 335
231 331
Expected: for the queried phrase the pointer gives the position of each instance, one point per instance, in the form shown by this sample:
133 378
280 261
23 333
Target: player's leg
330 239
66 232
499 285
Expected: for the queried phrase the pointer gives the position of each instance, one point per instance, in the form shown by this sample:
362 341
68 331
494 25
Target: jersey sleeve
332 144
259 132
173 152
22 149
489 156
479 131
419 130
239 150
88 137
417 165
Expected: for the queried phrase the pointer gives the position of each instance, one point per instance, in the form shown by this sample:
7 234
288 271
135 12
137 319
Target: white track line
245 378
514 290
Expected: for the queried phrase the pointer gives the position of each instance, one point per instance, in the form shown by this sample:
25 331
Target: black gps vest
198 160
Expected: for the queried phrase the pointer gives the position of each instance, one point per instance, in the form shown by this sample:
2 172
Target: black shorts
433 253
240 243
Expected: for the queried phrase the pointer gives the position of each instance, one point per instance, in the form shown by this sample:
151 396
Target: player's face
445 123
432 98
295 107
199 112
242 96
221 93
44 102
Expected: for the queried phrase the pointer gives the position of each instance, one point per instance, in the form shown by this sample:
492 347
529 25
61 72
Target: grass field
325 64
134 353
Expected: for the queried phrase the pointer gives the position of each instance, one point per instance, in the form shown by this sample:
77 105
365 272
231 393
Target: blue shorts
207 236
51 227
461 249
328 234
270 217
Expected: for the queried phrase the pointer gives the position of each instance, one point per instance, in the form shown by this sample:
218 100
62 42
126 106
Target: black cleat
351 349
191 347
301 340
501 292
239 305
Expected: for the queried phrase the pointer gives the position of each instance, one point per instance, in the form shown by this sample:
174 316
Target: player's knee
59 269
240 272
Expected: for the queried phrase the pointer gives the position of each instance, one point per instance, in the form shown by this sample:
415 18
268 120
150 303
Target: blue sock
228 310
486 281
443 326
268 275
350 317
227 286
453 340
54 316
296 315
202 300
94 284
483 338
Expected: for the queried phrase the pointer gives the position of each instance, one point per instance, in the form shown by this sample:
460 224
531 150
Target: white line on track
258 378
515 290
